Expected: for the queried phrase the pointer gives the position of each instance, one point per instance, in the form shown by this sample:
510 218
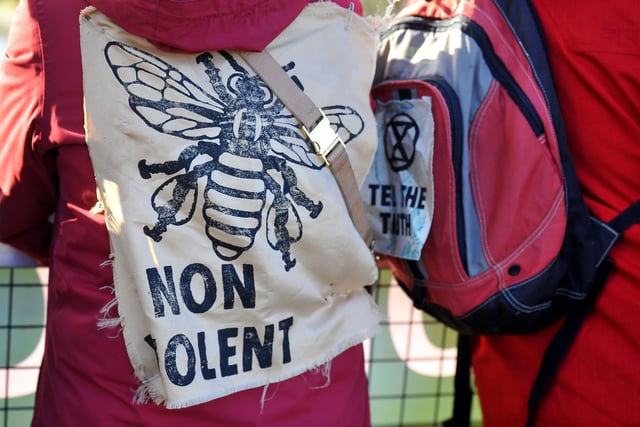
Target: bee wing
175 199
165 99
290 143
345 121
281 234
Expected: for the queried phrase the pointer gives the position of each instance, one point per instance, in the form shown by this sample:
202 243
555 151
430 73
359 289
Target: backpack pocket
499 201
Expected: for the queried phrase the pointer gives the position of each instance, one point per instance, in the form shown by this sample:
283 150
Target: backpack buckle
323 138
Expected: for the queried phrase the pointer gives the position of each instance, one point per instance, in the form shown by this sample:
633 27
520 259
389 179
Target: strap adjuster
323 138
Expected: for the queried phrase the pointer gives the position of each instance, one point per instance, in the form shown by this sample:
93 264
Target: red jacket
595 56
86 378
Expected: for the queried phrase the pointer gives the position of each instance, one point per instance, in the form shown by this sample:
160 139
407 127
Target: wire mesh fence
411 364
22 315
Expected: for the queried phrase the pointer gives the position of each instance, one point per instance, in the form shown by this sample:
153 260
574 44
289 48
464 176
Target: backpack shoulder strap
463 394
564 338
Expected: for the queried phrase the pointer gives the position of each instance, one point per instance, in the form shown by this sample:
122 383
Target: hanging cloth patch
398 190
235 261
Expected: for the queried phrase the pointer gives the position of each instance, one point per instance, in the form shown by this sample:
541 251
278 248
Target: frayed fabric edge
106 321
324 369
150 389
381 22
324 364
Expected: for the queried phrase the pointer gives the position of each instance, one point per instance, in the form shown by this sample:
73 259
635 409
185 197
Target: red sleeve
28 190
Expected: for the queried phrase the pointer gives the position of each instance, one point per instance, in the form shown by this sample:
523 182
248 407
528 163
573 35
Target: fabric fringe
325 368
98 208
106 319
108 322
107 263
141 395
263 398
149 390
388 12
325 371
381 23
324 365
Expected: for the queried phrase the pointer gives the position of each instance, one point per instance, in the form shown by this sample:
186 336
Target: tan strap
309 116
283 86
343 172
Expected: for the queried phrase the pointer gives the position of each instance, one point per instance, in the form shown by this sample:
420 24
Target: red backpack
511 247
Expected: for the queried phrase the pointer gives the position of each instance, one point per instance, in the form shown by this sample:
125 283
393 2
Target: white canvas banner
235 261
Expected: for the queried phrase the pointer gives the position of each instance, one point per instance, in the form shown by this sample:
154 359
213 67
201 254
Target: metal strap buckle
323 138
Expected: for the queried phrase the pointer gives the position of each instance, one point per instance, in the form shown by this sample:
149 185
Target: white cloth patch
235 261
398 190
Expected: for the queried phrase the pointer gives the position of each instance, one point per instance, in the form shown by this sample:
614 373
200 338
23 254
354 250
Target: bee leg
172 166
166 216
299 197
155 232
315 210
280 215
144 169
284 246
288 262
283 238
214 74
290 66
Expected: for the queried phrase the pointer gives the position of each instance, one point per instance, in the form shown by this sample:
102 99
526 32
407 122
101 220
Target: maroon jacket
86 378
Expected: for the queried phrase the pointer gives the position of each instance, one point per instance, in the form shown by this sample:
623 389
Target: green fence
22 308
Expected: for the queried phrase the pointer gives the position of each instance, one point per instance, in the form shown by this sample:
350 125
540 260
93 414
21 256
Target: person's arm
28 189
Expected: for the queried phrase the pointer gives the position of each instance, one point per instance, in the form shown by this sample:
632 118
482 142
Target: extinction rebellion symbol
400 136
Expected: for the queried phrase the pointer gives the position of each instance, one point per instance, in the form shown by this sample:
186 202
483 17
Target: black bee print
244 144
